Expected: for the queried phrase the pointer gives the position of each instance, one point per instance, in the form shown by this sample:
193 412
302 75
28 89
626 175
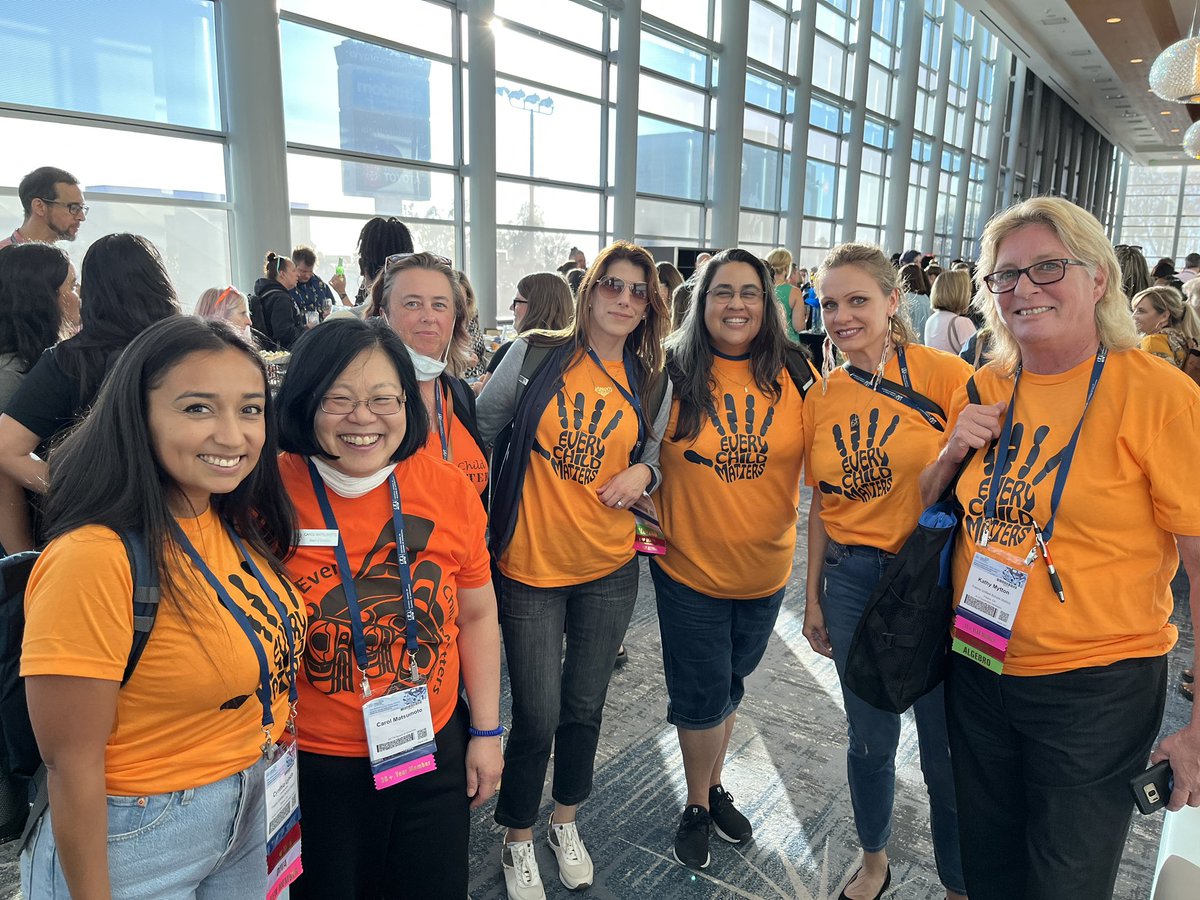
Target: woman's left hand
625 488
485 762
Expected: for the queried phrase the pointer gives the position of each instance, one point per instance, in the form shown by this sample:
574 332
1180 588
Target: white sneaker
574 863
521 875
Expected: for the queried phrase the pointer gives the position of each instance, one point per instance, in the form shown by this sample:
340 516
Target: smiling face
1148 319
303 272
615 317
207 426
420 308
1054 316
362 441
733 322
855 311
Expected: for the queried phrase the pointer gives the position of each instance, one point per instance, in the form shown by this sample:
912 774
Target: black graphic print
580 449
329 655
269 629
1015 497
866 468
742 453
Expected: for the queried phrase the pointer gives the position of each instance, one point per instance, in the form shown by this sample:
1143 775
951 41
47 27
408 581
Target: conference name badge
283 816
987 607
400 737
317 537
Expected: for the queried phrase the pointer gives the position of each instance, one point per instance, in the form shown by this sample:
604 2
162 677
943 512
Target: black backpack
898 653
23 791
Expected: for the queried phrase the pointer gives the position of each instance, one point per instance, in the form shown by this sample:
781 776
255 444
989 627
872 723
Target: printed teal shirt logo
742 452
866 467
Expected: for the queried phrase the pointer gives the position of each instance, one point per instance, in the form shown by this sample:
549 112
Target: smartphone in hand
1152 789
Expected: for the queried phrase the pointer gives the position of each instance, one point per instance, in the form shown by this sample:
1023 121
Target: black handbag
898 653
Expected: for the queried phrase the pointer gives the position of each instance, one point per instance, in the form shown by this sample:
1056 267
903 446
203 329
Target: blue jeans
849 575
555 700
207 842
710 646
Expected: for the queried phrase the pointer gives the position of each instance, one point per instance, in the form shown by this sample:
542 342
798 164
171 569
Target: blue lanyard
1003 449
239 615
881 387
348 586
631 376
441 418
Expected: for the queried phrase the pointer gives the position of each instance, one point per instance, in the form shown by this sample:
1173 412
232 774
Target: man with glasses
53 204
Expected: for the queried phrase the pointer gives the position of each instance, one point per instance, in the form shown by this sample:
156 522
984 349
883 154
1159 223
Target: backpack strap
972 397
147 593
535 357
800 368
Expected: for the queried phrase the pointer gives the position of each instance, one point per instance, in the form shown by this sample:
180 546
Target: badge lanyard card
995 585
281 784
398 724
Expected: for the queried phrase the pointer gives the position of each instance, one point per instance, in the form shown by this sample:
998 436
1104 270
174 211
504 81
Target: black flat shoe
1188 676
1188 691
887 882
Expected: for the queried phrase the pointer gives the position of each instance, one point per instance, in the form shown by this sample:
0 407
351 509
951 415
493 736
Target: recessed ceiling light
1165 112
1174 131
1113 20
1137 59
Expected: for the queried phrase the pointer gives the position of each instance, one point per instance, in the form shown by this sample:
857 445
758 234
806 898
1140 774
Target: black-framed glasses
440 260
517 301
725 294
611 288
1048 271
74 209
380 406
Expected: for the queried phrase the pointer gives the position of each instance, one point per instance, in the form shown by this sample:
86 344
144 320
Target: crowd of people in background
343 556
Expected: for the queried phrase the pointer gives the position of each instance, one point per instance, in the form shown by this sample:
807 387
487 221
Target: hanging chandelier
1175 75
1191 141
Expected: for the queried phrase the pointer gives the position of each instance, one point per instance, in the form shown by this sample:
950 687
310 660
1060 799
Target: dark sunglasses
611 288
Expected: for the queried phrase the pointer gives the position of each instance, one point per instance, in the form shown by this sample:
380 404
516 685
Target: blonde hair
1085 240
1181 317
874 262
381 297
780 261
952 292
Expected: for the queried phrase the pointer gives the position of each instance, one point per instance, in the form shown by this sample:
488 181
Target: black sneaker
691 840
730 824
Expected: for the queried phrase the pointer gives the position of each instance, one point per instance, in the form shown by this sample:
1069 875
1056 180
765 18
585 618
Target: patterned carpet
786 769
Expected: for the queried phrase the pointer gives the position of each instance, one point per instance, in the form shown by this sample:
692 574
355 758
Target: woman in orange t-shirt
156 784
396 578
871 430
583 450
421 297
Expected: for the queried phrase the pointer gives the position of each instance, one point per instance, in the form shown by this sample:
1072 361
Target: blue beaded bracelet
495 732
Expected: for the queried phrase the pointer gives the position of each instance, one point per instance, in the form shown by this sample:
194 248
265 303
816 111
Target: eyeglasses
611 288
343 406
725 295
1048 271
74 209
517 301
440 260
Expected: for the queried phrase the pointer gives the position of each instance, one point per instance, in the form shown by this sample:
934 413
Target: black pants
408 841
1041 771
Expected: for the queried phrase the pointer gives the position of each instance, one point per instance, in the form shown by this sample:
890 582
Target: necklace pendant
603 391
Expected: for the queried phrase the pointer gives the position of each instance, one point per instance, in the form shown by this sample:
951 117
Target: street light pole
534 104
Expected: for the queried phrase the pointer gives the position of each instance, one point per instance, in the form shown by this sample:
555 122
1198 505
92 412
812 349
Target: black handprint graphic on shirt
866 469
1015 495
742 453
580 450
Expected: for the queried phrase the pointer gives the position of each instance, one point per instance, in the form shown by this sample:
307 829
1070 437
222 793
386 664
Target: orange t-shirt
728 498
444 530
1128 493
189 715
564 534
867 451
1162 346
463 451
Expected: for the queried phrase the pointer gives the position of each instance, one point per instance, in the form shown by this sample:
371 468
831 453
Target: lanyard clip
267 742
413 672
985 536
365 686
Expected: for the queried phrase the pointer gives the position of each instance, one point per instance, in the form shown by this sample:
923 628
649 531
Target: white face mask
348 485
427 368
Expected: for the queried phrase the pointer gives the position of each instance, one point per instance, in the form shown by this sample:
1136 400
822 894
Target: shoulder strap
972 397
535 356
147 592
800 369
899 393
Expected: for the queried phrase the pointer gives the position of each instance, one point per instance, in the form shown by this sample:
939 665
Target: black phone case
1152 789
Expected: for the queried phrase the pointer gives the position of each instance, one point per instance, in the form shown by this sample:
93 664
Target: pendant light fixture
1175 75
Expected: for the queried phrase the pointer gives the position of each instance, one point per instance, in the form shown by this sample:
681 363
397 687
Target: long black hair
378 240
690 352
124 289
319 357
106 473
30 316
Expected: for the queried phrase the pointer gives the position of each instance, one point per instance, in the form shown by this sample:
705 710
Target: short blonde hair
952 292
1084 238
874 262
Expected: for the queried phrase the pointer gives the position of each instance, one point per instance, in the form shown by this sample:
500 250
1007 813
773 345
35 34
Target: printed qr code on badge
1012 577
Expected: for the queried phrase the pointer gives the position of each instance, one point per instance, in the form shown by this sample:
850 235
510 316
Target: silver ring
620 503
